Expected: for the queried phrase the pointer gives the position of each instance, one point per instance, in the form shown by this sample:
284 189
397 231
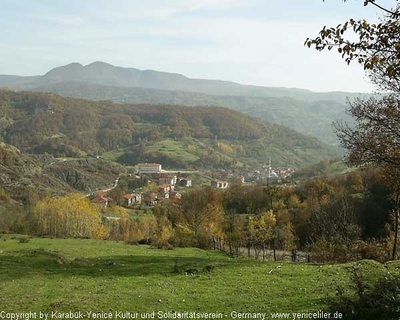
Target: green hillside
207 136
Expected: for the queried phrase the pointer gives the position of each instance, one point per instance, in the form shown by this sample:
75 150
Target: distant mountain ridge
106 74
303 110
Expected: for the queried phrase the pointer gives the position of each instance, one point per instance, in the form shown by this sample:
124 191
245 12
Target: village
155 186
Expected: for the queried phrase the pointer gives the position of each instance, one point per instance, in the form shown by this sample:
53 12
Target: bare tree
377 45
375 137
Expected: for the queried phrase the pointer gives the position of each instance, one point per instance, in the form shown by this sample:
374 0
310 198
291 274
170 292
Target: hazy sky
256 42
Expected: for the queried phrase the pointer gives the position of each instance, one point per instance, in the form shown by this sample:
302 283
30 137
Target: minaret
269 167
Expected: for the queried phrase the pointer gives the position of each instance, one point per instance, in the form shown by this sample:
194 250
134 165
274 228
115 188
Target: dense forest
308 115
66 127
302 110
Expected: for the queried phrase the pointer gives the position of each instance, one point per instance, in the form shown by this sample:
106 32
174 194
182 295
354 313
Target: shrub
183 237
203 240
323 250
368 302
373 250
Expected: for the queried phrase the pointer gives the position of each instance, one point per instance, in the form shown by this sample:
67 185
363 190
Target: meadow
71 275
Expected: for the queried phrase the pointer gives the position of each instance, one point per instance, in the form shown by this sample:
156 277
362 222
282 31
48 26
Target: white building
149 167
220 184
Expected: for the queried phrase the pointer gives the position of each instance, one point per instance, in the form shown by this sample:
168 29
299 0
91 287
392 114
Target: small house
101 201
132 198
175 195
183 182
150 199
220 184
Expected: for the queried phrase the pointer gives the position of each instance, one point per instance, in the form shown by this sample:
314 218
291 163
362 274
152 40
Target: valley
176 191
192 159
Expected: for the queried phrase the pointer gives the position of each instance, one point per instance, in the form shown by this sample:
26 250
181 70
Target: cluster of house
265 174
276 175
166 189
102 200
166 184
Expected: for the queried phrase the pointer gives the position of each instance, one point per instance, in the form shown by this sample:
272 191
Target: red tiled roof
100 193
100 200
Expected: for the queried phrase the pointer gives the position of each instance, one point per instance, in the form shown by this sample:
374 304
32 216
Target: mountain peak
74 64
60 71
99 64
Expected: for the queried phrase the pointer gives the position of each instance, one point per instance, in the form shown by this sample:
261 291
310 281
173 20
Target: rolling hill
25 178
305 111
177 136
42 173
309 117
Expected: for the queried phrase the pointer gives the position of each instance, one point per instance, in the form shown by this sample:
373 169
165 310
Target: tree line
343 218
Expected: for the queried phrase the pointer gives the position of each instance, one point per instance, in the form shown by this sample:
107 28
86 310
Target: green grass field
106 276
175 149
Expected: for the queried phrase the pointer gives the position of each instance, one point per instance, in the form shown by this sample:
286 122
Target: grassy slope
190 150
82 275
333 168
173 149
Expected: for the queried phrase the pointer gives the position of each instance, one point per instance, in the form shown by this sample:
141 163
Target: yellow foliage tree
225 148
164 233
68 216
262 231
285 234
202 213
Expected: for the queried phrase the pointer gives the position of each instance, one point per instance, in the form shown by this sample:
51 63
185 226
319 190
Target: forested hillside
219 137
306 116
302 110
